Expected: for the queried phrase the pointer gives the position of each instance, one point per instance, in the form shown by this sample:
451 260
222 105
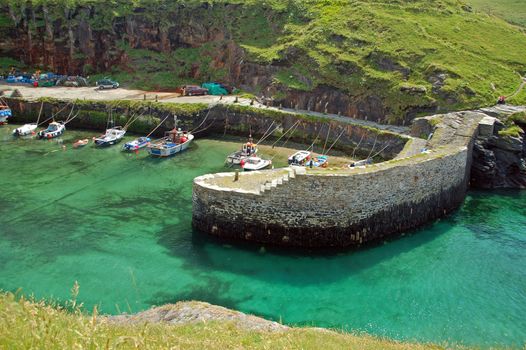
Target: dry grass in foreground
27 324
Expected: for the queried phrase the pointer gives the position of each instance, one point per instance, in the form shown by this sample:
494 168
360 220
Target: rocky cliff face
499 161
364 59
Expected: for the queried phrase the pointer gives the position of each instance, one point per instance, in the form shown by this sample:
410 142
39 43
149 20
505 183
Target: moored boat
248 150
136 144
80 143
5 113
299 158
176 141
24 130
255 163
111 137
53 130
318 161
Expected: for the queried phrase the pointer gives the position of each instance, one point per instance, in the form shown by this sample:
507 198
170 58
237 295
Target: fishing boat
255 163
361 163
136 144
111 137
53 130
80 143
5 113
319 161
176 141
299 158
24 130
248 150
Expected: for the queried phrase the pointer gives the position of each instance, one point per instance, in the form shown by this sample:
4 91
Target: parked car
192 90
107 83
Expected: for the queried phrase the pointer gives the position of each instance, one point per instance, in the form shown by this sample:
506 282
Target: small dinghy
24 130
299 158
136 144
248 150
176 141
54 129
111 137
361 163
318 162
255 163
80 143
5 113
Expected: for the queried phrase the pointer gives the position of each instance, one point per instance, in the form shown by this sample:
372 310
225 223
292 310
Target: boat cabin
178 136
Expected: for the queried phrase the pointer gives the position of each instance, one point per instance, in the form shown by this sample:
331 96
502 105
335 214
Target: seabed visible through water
120 225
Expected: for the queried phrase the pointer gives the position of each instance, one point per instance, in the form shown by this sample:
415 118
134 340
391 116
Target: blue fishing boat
5 113
136 144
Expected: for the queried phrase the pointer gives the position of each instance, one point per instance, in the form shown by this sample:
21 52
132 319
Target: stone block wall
338 210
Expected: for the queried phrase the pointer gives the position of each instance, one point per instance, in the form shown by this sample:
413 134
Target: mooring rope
326 139
54 115
290 136
158 126
334 143
206 117
206 128
285 133
40 112
359 143
313 142
383 149
374 145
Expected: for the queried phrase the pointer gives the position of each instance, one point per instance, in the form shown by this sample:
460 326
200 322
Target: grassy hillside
25 325
412 55
513 11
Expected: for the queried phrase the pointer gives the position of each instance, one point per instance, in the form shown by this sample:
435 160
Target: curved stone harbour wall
314 210
347 207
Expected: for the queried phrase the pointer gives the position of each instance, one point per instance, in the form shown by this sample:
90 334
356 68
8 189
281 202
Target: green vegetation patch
28 324
512 131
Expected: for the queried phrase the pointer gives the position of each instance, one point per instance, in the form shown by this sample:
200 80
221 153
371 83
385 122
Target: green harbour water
120 225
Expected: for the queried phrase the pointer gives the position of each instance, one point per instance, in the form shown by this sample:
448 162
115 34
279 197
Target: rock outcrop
499 161
195 312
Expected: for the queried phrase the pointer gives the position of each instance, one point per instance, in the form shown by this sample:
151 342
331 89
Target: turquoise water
120 225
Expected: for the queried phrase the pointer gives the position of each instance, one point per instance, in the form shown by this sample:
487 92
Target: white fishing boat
176 141
255 163
111 137
248 150
299 158
53 130
24 130
136 144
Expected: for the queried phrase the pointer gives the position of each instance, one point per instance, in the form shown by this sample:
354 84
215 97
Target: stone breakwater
348 207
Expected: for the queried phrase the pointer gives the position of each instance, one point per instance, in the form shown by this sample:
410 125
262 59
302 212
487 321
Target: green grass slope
34 325
513 11
410 54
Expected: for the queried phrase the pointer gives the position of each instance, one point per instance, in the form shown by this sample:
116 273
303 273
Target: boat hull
135 145
168 150
25 130
260 166
107 143
51 134
5 113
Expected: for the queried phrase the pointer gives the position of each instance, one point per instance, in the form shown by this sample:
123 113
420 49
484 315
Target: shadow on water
211 290
254 260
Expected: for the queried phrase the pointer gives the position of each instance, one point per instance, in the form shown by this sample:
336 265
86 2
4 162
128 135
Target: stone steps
282 180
